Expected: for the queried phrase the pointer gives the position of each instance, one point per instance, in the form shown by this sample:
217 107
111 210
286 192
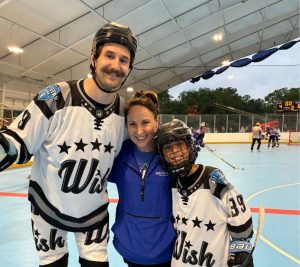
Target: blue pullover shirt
143 229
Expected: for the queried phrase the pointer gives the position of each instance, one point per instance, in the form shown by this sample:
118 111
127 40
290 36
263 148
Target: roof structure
175 37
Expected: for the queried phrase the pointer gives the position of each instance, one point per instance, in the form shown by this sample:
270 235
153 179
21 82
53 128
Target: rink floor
270 178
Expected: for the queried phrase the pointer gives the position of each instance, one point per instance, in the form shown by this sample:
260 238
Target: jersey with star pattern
74 145
207 215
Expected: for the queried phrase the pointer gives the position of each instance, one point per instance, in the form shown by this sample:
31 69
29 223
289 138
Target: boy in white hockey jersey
213 223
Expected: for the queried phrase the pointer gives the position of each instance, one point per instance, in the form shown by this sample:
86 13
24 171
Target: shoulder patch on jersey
49 92
218 177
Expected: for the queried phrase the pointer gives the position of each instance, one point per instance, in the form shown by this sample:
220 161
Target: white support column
3 93
200 120
226 129
2 100
214 123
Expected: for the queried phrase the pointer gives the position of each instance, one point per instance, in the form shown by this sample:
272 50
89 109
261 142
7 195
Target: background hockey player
277 135
199 134
271 136
209 212
256 136
74 130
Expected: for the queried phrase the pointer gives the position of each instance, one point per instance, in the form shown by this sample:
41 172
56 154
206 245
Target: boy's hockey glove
240 254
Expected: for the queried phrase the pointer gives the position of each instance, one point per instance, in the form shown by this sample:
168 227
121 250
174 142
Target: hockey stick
261 217
210 150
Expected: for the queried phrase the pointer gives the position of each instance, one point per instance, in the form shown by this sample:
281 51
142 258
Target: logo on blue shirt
161 173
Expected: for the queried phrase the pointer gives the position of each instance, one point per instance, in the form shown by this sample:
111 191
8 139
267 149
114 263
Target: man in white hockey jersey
213 223
74 130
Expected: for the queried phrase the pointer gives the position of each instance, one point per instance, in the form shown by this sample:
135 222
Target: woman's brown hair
147 99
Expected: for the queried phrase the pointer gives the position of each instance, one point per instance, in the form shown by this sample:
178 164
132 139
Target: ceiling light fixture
129 89
218 37
15 49
225 63
230 77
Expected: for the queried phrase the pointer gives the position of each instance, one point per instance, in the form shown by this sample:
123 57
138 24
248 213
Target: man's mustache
118 72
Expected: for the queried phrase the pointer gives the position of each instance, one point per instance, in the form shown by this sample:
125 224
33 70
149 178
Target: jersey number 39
239 201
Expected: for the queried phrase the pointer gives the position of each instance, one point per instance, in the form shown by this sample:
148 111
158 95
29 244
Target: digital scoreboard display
286 106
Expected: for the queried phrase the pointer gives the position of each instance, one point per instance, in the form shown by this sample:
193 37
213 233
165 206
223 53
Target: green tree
223 101
165 102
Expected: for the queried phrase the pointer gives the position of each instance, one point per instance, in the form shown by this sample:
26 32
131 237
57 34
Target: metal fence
234 123
216 123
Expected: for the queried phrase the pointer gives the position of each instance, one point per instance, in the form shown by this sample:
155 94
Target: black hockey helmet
173 131
115 33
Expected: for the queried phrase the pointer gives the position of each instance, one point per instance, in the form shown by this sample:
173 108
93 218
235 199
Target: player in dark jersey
271 136
74 130
213 223
199 134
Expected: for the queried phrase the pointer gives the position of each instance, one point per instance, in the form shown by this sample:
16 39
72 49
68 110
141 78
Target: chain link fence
235 123
216 123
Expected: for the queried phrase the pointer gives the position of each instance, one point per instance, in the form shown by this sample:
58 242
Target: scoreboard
288 106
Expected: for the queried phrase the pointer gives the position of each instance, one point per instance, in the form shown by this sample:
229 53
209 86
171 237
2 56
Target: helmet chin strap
95 78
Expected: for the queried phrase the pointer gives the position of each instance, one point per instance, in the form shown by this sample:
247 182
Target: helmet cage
169 133
115 33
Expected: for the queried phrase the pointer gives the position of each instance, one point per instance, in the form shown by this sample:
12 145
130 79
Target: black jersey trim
241 228
53 216
198 182
220 190
43 106
99 113
24 154
60 102
75 94
206 177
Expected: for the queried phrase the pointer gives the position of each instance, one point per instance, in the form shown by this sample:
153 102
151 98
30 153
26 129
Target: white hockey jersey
207 214
74 145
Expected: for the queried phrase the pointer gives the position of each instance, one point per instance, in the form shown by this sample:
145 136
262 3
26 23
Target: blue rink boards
270 178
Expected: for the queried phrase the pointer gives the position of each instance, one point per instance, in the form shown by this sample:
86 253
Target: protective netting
294 137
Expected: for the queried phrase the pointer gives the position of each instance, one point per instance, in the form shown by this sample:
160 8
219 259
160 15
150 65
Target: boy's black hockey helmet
115 33
173 131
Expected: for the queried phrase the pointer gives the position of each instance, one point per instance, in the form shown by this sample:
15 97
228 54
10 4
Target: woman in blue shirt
143 229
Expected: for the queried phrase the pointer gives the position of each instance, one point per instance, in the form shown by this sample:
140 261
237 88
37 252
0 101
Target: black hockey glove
7 155
240 254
